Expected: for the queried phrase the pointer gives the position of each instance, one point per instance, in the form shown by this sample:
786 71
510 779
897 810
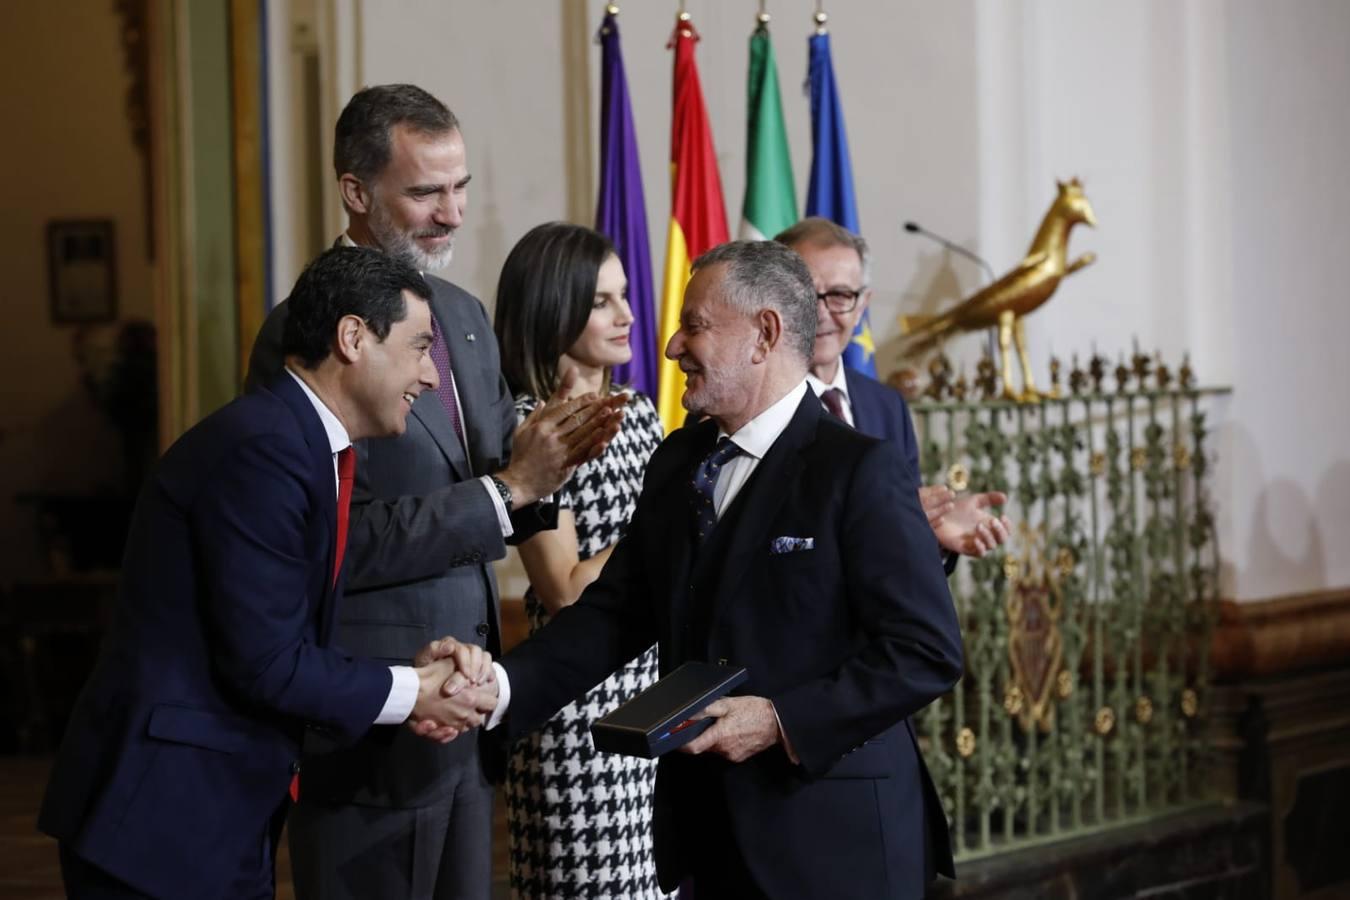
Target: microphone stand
916 228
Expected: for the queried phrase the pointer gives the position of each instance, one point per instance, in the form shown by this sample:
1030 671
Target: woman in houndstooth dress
579 821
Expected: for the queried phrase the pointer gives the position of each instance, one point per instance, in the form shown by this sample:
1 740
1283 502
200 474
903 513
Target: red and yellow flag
698 216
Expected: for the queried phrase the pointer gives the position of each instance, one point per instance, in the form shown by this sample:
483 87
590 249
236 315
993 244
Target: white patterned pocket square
781 545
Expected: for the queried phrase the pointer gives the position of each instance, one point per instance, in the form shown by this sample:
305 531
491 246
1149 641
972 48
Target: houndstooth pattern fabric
580 821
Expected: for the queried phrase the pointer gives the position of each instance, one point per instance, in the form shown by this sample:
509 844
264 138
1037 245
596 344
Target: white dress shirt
839 382
403 692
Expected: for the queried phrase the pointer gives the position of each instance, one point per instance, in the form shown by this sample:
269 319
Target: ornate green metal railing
1087 635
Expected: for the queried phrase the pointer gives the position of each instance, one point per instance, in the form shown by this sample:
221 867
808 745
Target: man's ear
354 193
769 327
864 299
349 339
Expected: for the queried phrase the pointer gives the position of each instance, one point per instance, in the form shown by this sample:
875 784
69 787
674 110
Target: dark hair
763 273
823 233
346 281
544 299
363 135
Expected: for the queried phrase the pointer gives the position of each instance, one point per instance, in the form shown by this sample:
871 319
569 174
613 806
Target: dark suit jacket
181 746
423 534
847 640
882 413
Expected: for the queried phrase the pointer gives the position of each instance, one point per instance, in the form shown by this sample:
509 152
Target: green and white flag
770 197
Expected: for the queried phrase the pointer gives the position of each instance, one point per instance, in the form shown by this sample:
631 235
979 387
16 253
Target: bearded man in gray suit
431 510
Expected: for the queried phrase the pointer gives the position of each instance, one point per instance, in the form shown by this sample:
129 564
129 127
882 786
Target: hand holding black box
657 720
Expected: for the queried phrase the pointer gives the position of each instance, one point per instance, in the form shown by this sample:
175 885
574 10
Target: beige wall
67 153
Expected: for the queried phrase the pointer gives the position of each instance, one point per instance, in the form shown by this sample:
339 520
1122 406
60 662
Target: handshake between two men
456 689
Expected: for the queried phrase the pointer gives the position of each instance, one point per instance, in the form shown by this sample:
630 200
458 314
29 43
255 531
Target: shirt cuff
503 517
402 695
782 736
503 698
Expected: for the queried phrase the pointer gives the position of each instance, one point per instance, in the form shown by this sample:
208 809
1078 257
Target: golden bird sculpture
1005 302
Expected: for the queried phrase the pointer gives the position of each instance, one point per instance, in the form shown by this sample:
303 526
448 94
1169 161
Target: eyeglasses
840 301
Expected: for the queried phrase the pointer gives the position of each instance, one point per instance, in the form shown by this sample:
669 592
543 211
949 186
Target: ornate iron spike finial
960 387
986 376
940 377
1056 391
1097 371
1122 376
1161 373
1077 377
1186 375
1140 364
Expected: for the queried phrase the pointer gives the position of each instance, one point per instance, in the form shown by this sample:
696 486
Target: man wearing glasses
839 264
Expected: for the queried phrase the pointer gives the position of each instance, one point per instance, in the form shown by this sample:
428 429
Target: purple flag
621 211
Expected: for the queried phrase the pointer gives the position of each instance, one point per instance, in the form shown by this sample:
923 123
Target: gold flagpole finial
820 17
763 17
683 14
611 9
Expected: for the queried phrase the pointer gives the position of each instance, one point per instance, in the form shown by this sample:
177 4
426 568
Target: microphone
916 228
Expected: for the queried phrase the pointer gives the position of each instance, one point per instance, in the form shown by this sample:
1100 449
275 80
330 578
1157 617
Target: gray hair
823 233
762 273
362 138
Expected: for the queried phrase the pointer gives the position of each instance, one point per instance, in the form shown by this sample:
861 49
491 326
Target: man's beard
402 245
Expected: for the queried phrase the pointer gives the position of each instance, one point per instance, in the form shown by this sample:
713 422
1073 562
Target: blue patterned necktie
705 480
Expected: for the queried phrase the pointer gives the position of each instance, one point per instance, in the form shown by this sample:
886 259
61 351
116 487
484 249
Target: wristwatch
502 491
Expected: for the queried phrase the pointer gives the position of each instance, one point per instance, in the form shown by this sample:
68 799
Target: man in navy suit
840 264
173 777
771 536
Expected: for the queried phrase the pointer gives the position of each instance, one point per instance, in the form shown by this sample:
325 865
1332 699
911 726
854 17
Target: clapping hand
457 689
965 523
559 435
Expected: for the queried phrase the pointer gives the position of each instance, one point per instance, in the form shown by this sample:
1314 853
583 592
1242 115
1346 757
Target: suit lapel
323 490
758 504
458 327
858 400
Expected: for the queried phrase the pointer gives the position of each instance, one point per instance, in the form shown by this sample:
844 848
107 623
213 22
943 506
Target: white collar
757 436
338 439
839 382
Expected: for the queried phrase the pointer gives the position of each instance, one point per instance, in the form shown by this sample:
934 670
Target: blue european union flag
830 193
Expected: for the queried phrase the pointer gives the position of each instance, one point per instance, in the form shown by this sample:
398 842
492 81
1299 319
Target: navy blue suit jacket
881 412
847 639
180 748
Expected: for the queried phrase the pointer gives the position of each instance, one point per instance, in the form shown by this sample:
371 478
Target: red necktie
346 469
834 402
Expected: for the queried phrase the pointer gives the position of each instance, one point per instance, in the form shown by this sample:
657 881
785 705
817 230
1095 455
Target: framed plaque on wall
83 264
